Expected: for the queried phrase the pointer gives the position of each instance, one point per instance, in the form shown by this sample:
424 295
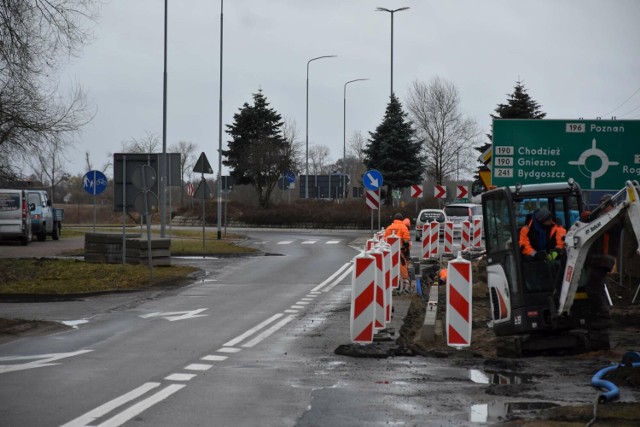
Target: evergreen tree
393 151
258 153
519 105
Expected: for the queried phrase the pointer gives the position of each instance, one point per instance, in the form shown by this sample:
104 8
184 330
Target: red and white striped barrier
386 251
363 299
434 235
426 241
380 316
394 244
465 236
477 233
458 317
448 237
371 243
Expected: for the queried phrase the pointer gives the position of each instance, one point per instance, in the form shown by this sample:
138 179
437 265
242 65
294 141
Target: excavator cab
524 292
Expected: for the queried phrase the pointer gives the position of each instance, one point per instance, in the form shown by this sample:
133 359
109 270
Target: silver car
429 215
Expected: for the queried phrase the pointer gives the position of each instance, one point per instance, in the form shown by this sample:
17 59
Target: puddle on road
501 411
501 378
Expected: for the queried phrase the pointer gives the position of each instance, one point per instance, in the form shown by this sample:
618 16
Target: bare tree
149 143
448 137
318 155
48 164
291 134
356 157
188 158
35 37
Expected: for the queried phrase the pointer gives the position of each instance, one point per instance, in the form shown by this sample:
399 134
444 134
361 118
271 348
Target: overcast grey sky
577 58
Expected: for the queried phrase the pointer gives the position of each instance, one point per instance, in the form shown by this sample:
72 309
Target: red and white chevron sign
458 317
373 199
362 299
462 192
416 191
439 191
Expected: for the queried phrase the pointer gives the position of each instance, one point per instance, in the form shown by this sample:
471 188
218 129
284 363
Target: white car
427 216
460 212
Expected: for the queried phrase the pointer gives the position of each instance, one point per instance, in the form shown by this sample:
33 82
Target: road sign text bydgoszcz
598 154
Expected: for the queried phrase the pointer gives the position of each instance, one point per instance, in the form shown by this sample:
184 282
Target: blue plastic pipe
612 391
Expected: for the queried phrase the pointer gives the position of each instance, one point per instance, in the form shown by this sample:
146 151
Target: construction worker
398 226
600 260
541 238
542 241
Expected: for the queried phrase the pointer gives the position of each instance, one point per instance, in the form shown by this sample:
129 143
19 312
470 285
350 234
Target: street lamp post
306 185
344 136
219 212
391 11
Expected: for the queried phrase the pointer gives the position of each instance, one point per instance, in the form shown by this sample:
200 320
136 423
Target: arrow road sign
177 315
462 192
372 179
439 191
416 191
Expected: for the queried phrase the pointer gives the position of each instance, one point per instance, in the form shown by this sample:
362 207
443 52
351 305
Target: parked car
460 212
15 221
426 216
43 217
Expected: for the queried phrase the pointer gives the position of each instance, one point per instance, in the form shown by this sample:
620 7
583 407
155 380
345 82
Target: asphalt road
252 343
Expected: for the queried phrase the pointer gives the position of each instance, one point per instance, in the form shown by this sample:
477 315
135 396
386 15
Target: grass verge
50 276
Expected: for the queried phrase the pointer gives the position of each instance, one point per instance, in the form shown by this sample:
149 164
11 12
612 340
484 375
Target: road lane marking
179 377
229 350
215 358
332 242
198 367
37 361
102 410
285 242
141 406
311 296
297 307
333 285
302 303
309 242
253 330
291 311
333 276
177 315
268 332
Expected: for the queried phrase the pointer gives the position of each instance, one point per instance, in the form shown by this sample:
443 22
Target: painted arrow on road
36 361
177 315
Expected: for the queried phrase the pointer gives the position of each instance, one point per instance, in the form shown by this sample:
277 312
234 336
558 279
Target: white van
460 212
15 220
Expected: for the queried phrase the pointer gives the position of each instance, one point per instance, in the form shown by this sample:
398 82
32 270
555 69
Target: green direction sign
598 154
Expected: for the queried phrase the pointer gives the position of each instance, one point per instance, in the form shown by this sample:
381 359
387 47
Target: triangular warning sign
202 165
203 191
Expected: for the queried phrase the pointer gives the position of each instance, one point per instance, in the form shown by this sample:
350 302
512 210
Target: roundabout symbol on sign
597 173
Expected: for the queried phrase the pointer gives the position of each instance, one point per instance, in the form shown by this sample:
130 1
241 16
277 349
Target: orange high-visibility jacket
555 239
401 230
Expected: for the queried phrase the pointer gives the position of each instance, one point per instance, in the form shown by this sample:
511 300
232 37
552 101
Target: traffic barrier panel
448 237
459 300
477 233
394 244
434 231
426 241
363 299
380 314
371 244
465 236
386 251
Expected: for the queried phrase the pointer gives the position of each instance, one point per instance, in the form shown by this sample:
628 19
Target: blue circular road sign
94 182
290 177
372 179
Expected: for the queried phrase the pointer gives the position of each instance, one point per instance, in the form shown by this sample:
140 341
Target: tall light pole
344 136
382 9
219 213
306 185
163 163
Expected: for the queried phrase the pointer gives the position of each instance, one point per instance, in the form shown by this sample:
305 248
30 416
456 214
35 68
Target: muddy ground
624 337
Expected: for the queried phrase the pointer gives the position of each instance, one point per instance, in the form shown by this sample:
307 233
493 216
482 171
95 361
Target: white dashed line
198 367
180 377
253 330
229 350
332 242
291 311
297 307
306 299
268 332
309 242
302 303
215 358
285 242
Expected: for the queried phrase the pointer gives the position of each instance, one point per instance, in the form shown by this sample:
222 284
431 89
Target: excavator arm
582 235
